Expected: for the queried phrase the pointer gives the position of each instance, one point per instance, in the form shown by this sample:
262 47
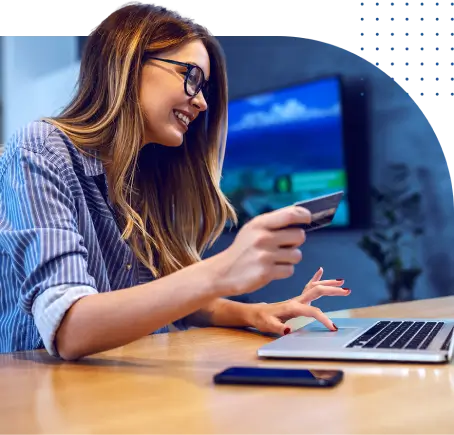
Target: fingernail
287 331
339 279
346 289
335 327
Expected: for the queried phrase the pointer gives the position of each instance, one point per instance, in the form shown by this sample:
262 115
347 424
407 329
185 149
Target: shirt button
128 266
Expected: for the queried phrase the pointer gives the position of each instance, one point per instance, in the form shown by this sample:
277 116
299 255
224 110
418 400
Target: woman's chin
173 138
172 144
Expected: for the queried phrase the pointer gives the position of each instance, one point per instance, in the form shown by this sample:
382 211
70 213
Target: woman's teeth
181 117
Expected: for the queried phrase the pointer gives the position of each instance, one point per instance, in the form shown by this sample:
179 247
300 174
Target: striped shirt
59 240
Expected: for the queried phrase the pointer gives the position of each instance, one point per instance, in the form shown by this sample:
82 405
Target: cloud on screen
260 100
289 112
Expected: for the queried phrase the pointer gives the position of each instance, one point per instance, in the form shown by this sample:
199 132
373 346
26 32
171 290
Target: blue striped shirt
59 240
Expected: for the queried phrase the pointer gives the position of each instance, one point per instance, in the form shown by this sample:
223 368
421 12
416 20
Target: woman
121 192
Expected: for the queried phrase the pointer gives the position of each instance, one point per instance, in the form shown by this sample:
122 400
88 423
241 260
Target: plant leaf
374 250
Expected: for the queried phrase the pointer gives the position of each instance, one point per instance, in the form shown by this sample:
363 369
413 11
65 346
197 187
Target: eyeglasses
194 80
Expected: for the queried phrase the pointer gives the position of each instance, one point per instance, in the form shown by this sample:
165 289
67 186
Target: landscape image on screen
285 146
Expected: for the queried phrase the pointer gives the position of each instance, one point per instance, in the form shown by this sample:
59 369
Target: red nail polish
339 279
346 288
335 327
287 331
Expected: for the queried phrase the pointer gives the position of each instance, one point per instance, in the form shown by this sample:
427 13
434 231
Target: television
298 142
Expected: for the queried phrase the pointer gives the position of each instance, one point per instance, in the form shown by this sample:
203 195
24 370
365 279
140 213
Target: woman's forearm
108 320
222 312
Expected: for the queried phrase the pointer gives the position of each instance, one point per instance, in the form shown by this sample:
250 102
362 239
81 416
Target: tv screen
286 146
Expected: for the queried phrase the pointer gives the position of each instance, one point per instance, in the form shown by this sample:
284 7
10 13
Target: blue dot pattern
409 58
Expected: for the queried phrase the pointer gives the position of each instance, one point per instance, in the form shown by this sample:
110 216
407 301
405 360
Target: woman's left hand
272 317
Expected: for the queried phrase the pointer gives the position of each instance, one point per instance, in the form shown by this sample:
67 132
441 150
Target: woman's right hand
264 250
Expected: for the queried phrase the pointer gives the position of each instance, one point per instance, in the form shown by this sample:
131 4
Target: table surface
163 384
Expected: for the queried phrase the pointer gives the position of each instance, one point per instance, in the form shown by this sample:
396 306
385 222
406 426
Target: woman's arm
105 321
221 312
268 317
48 252
39 215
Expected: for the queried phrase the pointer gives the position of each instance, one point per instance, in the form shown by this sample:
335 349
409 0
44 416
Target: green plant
392 243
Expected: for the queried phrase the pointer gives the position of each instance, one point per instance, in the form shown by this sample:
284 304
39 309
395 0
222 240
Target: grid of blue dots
451 50
394 4
393 19
407 48
406 4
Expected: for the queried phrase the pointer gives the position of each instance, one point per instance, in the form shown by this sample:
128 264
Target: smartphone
279 376
322 209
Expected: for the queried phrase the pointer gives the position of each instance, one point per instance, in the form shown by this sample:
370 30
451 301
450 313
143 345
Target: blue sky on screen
296 104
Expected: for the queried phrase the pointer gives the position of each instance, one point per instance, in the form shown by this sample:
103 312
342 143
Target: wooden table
163 384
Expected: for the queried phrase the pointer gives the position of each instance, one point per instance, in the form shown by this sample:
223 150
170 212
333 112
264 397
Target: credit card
323 208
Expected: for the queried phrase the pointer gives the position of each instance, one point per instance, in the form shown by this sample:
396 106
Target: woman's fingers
330 282
289 237
319 315
276 326
319 291
326 290
288 256
274 320
297 309
317 275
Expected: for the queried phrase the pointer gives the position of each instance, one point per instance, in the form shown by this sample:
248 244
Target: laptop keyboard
400 335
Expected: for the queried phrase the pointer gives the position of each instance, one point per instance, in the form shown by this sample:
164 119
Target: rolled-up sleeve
38 218
50 307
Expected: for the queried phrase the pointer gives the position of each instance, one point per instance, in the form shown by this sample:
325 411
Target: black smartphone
279 376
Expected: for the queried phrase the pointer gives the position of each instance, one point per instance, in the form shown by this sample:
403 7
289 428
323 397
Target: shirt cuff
50 307
180 325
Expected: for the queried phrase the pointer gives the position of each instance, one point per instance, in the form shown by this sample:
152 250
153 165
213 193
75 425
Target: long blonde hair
168 199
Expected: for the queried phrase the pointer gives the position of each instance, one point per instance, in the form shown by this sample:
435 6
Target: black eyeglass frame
189 67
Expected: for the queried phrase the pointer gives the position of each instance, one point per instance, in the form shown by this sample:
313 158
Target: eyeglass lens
195 80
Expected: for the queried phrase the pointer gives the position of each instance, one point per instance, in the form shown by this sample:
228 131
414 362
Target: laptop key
364 338
420 336
407 336
381 335
426 343
391 338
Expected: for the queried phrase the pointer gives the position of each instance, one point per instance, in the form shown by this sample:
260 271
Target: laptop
402 340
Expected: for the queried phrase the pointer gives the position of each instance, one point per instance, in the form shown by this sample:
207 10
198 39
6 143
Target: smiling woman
121 192
154 100
133 100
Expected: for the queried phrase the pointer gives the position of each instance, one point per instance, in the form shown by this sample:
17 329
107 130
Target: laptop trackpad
316 332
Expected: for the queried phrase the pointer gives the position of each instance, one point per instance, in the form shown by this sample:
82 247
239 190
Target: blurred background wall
38 75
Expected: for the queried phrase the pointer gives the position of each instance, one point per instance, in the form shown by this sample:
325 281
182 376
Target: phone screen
255 372
278 376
